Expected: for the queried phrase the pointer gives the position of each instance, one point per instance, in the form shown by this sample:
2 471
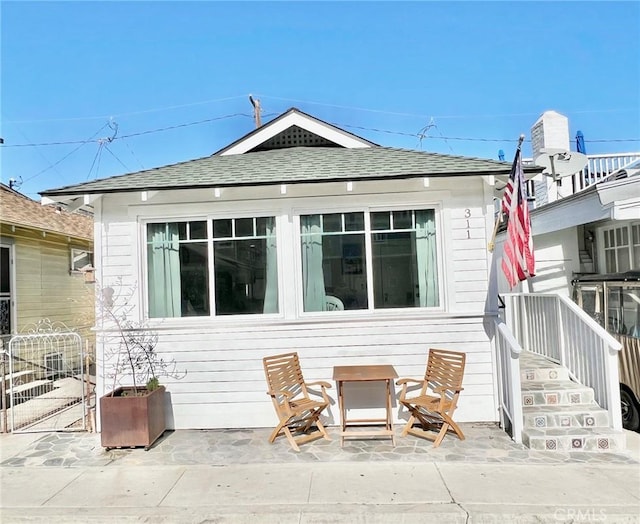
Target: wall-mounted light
283 189
217 192
425 181
349 186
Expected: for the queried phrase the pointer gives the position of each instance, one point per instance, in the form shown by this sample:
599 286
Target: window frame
297 213
208 219
76 249
615 248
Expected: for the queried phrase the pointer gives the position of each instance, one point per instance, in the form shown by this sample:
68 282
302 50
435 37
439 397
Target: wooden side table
383 372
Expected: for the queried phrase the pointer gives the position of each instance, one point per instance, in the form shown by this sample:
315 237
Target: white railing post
560 330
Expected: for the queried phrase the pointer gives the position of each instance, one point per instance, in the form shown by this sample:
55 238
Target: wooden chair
297 412
444 378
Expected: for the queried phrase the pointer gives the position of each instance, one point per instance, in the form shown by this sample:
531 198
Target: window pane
198 230
405 272
261 225
242 274
381 220
5 273
177 271
402 220
623 260
354 221
244 227
334 275
194 279
81 259
182 230
222 228
246 270
332 223
610 260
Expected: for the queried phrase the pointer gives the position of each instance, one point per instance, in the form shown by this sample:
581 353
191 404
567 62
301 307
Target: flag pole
491 244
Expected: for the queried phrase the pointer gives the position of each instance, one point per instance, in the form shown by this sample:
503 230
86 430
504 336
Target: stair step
574 439
534 367
573 416
544 374
564 393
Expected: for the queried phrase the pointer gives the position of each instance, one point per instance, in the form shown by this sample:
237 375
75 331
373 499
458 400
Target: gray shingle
291 166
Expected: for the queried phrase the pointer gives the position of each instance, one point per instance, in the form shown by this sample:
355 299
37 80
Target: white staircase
560 414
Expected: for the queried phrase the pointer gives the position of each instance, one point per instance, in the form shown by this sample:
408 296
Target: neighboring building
301 237
45 255
586 239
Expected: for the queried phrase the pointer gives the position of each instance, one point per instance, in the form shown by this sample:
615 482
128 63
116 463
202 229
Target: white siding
225 384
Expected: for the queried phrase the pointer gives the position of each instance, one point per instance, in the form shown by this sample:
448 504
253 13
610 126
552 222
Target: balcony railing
597 169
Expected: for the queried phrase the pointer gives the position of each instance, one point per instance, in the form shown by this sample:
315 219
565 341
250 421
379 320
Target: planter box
132 420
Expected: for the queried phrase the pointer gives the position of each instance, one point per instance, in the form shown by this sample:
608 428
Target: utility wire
82 143
114 156
168 128
418 135
143 111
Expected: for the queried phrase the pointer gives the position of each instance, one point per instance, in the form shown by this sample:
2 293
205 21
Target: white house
236 256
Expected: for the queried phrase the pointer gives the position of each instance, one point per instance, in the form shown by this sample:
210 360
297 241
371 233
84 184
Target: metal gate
46 380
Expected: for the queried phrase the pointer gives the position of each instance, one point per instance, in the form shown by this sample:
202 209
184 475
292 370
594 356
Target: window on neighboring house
369 260
81 259
621 248
245 273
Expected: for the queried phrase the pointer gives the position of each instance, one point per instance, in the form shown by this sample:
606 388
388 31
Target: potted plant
131 415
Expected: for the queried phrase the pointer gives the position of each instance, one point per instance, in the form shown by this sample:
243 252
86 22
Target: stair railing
555 327
510 397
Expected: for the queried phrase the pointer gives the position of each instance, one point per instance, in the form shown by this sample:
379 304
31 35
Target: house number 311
467 215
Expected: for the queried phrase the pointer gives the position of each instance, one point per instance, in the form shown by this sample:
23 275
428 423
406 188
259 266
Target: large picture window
401 269
245 270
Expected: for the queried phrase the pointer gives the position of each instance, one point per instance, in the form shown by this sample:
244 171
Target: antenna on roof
256 110
15 184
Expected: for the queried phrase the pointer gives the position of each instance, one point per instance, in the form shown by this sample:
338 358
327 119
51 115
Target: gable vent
294 136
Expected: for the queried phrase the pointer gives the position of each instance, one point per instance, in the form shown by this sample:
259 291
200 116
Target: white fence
555 327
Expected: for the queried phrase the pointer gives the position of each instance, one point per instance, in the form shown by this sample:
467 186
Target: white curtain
312 274
271 270
164 270
427 260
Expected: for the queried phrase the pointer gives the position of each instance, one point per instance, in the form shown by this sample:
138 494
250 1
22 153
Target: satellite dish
560 162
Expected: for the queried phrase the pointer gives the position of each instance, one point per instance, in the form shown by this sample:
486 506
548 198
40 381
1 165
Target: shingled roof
291 166
20 210
294 148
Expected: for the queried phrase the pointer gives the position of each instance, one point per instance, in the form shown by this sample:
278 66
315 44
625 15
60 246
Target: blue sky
471 76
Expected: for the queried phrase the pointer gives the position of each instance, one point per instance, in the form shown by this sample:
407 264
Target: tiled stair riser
556 397
547 374
588 417
604 441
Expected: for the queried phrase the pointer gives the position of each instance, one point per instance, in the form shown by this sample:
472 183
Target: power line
143 111
419 135
82 143
168 128
500 115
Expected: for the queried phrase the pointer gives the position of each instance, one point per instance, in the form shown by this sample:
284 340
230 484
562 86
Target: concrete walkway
198 484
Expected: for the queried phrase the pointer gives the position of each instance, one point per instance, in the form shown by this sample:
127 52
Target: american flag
517 262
